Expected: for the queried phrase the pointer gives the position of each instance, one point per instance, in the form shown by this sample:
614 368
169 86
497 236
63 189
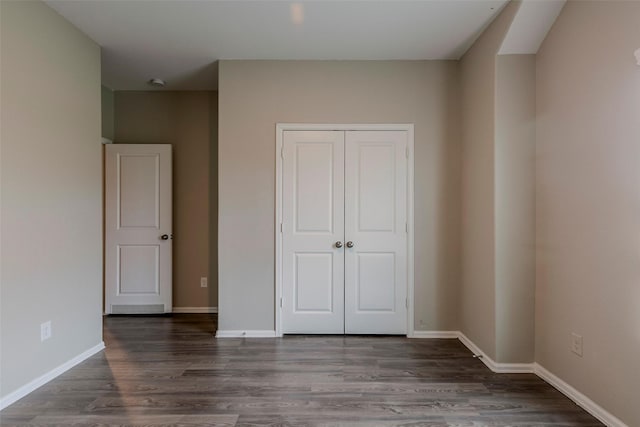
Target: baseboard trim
43 379
435 334
502 368
195 310
580 399
246 334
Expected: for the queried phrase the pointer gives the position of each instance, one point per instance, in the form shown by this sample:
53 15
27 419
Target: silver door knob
338 244
349 244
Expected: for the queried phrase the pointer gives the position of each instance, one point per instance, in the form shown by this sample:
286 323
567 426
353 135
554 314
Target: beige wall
255 95
588 202
184 120
51 192
515 111
478 292
106 96
213 197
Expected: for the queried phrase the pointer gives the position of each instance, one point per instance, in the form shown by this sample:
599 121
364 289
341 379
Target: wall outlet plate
576 344
45 330
203 282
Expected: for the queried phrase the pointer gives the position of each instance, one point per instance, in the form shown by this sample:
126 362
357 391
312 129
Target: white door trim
280 128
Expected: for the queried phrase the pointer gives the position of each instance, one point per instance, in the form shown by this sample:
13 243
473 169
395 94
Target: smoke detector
156 82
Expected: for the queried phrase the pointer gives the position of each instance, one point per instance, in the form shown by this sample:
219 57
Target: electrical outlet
203 282
576 343
45 330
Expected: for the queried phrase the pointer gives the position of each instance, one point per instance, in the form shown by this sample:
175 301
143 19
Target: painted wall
588 202
213 198
184 120
478 291
51 192
515 111
106 96
255 95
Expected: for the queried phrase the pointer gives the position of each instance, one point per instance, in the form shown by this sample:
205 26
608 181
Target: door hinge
281 227
280 302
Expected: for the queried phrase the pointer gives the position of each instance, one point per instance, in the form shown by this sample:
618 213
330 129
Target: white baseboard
580 399
246 334
195 309
43 379
435 334
503 368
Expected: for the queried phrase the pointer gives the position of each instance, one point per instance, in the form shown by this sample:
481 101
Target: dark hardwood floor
160 371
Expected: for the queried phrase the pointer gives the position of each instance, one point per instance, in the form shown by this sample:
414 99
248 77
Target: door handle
165 237
338 244
349 244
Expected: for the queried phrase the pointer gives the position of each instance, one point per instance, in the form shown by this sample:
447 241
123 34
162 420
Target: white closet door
376 225
313 221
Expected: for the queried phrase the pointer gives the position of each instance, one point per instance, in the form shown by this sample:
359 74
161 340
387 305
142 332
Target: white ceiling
181 40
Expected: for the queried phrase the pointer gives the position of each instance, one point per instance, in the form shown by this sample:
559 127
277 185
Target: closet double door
344 232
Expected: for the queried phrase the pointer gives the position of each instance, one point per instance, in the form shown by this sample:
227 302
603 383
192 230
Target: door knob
338 244
165 237
349 244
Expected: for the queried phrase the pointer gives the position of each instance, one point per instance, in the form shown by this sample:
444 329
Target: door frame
280 128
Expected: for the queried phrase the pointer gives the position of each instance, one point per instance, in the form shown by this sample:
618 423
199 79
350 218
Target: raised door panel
139 266
376 192
374 282
313 283
314 193
138 191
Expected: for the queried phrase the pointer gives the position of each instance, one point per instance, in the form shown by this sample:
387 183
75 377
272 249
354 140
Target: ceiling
181 41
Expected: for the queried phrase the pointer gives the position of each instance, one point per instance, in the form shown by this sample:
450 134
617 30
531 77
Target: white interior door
138 260
312 223
376 232
344 232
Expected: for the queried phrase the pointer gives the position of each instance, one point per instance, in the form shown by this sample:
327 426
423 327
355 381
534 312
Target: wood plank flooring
170 371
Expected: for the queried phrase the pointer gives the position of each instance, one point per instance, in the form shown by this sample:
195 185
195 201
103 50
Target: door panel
312 222
139 266
137 190
375 279
376 192
313 283
314 193
375 221
137 213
